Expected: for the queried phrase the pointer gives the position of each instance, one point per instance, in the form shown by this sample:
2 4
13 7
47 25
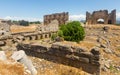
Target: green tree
60 33
24 23
73 31
53 36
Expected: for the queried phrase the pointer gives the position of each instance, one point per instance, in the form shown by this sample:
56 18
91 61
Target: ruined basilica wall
61 17
109 18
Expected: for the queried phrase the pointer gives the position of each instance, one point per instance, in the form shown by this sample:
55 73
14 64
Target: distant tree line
22 22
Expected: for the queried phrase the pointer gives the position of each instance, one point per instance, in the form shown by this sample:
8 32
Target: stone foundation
66 54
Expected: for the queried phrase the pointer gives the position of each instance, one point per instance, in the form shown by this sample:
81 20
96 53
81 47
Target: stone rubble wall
66 54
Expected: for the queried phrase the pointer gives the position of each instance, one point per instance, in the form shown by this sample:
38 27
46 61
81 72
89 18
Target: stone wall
4 29
77 57
61 17
109 18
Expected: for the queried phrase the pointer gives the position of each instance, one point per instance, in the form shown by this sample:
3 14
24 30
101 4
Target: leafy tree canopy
72 31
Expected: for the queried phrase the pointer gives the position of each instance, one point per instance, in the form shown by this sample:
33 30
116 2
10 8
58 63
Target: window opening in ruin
109 22
46 36
23 39
49 35
2 33
41 37
100 21
36 37
30 38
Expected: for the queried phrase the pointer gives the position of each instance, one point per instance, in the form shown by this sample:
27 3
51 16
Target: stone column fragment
22 58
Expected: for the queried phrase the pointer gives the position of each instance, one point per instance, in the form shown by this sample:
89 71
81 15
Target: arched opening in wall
41 36
100 21
30 38
3 43
36 37
23 39
45 35
49 34
13 41
109 22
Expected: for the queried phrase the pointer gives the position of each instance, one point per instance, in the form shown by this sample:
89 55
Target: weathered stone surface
73 57
61 51
59 39
2 55
22 58
83 59
2 43
62 47
84 54
106 28
61 17
103 46
4 27
118 55
109 18
95 51
18 55
107 50
79 49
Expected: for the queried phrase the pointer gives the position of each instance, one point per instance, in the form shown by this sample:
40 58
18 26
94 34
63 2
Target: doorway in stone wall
100 21
109 22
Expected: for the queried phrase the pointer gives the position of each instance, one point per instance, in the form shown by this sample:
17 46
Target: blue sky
35 9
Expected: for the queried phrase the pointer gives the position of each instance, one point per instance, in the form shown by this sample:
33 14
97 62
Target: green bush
0 49
53 36
73 31
60 33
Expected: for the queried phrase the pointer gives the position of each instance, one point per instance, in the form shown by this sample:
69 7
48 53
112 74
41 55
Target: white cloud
21 18
77 17
118 15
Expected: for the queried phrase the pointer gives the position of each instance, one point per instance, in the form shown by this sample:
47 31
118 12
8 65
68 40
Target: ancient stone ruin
14 34
108 18
61 17
66 54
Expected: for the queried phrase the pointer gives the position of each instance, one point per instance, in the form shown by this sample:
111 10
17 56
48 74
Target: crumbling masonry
109 18
61 17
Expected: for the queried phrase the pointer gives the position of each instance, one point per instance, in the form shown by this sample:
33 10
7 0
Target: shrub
1 49
24 23
53 36
73 31
60 33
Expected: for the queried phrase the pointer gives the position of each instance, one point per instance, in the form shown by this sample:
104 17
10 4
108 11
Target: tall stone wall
109 18
61 17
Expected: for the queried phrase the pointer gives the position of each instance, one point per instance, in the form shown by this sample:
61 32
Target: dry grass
83 44
11 68
45 67
19 29
62 70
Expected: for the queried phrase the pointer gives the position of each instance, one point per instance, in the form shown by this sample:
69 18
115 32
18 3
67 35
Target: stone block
85 60
95 51
79 49
84 54
2 55
2 43
22 58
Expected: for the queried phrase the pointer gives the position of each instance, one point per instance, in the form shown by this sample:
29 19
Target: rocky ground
108 40
109 43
